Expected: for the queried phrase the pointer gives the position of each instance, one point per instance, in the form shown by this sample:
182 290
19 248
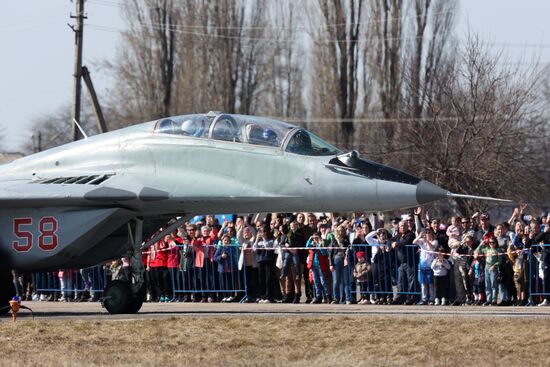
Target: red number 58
47 240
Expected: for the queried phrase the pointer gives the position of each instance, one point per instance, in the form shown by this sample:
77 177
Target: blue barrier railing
539 270
205 278
71 283
390 274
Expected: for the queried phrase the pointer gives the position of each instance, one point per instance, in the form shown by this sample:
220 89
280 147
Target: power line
359 120
316 40
222 36
107 3
298 28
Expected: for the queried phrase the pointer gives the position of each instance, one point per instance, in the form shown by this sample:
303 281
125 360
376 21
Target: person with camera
461 252
381 261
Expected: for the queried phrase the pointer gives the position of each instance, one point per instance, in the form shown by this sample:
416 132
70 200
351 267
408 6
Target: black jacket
405 250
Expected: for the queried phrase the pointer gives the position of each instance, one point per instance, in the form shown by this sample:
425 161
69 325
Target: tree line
388 78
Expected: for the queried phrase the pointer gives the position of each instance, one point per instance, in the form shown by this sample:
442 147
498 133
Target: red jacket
323 261
173 254
198 248
162 254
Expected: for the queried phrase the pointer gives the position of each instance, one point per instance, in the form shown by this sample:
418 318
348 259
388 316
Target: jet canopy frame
248 130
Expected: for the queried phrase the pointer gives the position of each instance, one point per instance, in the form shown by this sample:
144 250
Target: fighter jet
96 199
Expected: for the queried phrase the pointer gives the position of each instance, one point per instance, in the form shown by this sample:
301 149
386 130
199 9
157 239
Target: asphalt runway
94 311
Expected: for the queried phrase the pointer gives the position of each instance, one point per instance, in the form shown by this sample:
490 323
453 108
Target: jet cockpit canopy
249 130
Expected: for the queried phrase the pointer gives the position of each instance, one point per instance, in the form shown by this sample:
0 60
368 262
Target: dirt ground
277 341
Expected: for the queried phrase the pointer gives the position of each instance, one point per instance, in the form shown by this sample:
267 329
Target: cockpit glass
197 127
226 128
190 125
166 126
304 142
266 132
246 129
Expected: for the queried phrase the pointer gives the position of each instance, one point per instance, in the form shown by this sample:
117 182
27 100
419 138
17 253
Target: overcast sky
36 62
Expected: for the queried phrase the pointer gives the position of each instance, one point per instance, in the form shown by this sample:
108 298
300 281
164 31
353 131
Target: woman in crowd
227 267
318 263
338 262
427 243
172 263
264 248
492 263
247 261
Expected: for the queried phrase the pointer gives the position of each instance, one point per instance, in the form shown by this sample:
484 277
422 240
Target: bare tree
385 59
484 129
284 66
342 29
145 69
433 25
53 129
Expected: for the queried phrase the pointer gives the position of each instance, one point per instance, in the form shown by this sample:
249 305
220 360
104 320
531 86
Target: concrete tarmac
94 311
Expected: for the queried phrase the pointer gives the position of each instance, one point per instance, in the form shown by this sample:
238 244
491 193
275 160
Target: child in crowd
441 267
492 263
517 257
227 267
360 274
453 230
427 243
477 277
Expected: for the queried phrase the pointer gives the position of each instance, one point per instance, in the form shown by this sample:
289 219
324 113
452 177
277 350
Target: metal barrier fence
71 284
198 274
539 270
389 273
207 273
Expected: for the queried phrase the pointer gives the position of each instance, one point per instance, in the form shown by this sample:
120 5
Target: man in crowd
402 245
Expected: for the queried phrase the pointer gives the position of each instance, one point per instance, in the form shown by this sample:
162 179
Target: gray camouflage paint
155 174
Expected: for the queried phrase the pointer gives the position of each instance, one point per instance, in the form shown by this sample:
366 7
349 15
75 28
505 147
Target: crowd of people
304 257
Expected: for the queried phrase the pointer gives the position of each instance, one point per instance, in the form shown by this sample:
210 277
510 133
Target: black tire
7 290
117 297
137 300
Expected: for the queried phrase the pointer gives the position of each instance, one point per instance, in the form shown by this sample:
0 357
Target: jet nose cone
426 192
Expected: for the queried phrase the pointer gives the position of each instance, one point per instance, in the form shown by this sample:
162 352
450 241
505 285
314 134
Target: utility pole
77 86
101 125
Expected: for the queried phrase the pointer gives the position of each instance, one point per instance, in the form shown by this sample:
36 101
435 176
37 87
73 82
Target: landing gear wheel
117 297
137 300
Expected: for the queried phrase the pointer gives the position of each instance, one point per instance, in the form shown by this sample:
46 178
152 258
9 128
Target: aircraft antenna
80 128
462 196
